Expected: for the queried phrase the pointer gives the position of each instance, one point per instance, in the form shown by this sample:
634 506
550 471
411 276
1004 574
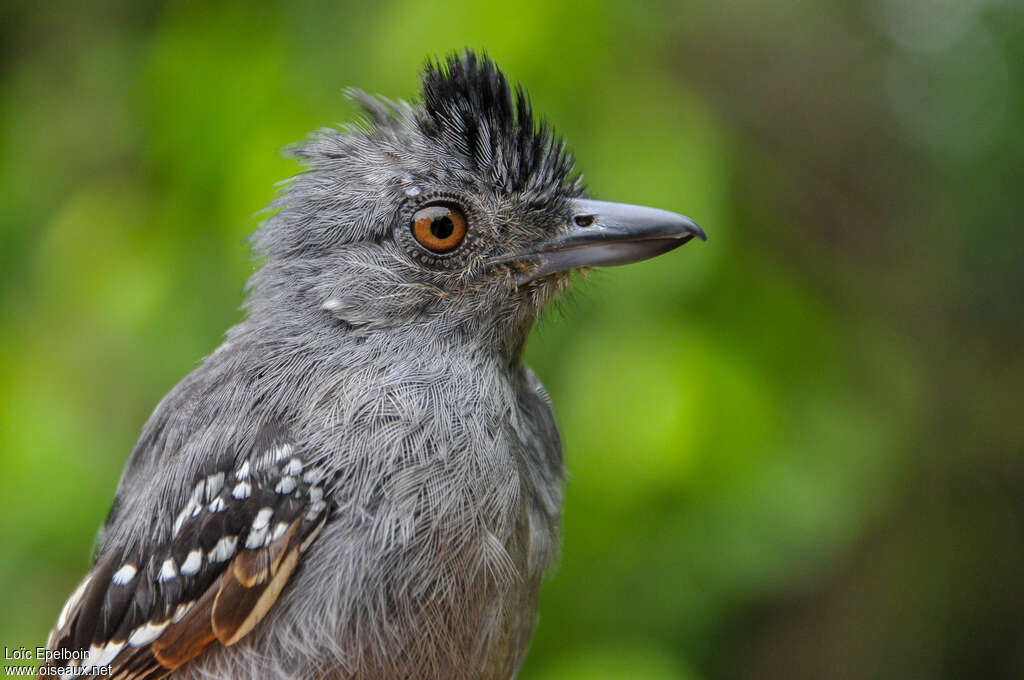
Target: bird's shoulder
215 509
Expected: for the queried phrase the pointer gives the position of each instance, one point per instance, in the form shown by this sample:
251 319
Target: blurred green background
795 450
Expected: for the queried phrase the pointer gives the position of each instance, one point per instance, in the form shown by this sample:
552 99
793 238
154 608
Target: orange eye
439 228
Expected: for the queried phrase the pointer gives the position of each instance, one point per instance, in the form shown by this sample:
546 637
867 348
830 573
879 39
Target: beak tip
694 229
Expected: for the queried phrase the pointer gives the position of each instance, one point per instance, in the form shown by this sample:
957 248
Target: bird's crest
468 101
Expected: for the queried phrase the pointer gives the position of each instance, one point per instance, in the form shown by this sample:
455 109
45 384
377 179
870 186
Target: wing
232 549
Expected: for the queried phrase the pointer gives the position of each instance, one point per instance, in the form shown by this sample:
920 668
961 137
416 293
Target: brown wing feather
191 636
227 612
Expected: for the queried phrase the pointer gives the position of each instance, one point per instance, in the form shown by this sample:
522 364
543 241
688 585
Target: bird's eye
439 228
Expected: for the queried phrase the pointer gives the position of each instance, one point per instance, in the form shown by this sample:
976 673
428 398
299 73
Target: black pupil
442 227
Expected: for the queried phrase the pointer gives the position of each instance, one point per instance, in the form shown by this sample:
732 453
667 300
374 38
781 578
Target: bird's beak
603 233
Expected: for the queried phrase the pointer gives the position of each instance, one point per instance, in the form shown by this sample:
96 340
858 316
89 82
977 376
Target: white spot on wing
286 485
214 483
256 538
125 574
217 505
182 516
224 549
293 468
243 472
192 562
316 494
279 530
105 654
262 518
168 570
315 510
241 490
282 452
182 609
146 633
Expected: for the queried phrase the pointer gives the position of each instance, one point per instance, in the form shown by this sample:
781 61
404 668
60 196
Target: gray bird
364 480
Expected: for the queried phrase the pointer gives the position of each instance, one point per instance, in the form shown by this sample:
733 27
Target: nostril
583 220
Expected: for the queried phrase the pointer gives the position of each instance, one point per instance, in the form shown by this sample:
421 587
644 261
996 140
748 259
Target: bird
364 481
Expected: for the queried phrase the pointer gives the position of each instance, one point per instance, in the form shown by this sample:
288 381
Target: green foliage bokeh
767 435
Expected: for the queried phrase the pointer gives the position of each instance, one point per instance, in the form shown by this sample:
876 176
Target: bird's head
457 215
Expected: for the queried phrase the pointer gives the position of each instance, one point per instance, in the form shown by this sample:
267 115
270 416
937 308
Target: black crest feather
468 102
